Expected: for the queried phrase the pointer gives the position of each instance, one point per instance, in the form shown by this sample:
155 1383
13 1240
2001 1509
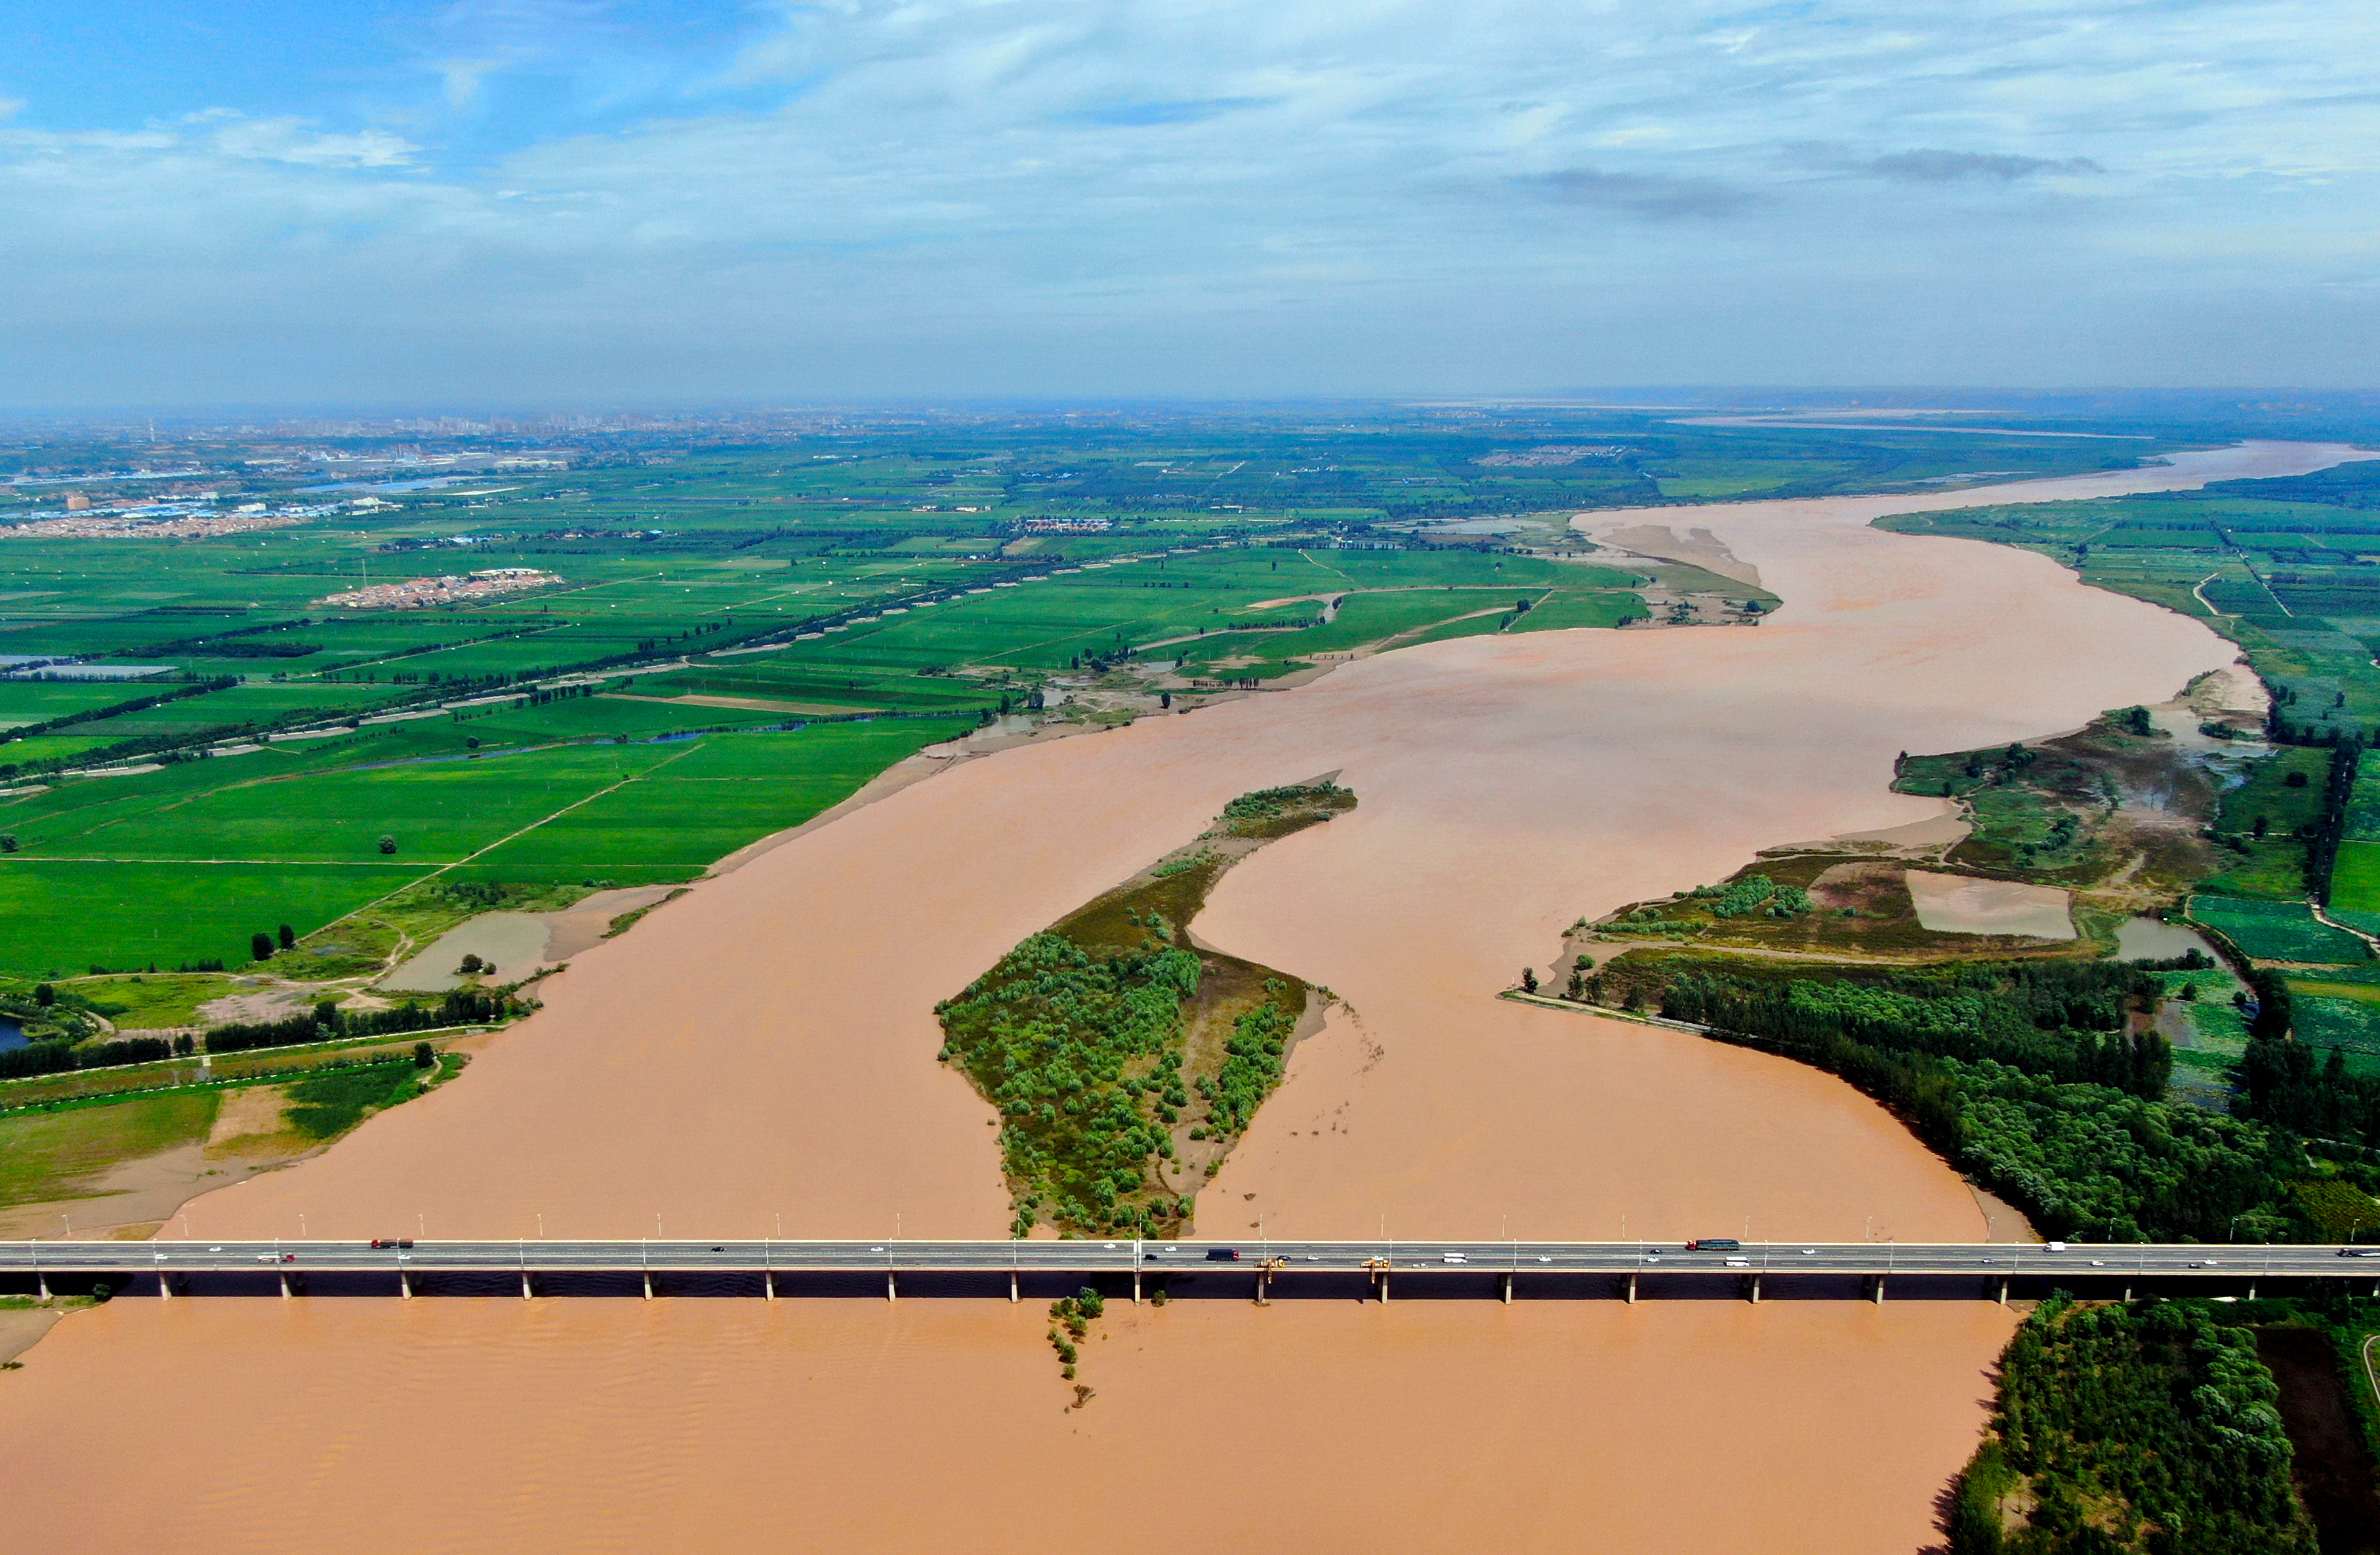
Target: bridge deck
2131 1262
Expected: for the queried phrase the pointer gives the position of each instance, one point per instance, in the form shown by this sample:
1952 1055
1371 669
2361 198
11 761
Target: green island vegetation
1094 1037
2148 1427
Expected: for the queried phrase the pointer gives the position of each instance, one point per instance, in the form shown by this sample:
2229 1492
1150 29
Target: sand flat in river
765 1048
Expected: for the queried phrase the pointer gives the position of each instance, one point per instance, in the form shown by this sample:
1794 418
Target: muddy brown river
761 1055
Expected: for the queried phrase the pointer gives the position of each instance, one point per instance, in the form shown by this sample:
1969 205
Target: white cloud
298 143
937 181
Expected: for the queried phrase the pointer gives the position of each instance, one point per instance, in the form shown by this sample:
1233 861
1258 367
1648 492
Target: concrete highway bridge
1261 1268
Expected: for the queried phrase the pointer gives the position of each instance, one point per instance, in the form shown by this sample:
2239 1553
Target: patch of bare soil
246 1113
268 1003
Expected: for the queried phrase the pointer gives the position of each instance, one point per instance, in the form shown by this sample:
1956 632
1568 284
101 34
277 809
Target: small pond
2148 938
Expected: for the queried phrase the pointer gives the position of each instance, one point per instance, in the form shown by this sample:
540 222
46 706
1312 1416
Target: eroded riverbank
765 1048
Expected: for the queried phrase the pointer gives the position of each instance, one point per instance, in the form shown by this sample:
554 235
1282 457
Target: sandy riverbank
765 1048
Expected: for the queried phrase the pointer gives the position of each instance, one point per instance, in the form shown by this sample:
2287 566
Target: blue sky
538 201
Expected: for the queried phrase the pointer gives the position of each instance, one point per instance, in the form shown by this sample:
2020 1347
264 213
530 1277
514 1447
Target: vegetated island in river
1093 1037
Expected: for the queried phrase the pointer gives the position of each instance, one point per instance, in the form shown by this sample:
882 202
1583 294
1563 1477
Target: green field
47 1156
2343 1015
1571 609
2355 878
2276 930
163 870
893 568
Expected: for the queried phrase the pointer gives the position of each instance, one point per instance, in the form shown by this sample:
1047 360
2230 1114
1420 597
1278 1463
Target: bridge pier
1136 1287
1632 1290
1264 1283
1752 1289
527 1290
405 1283
1508 1290
2004 1290
768 1285
1382 1279
891 1285
285 1284
165 1283
648 1284
1012 1287
41 1284
2251 1290
1876 1289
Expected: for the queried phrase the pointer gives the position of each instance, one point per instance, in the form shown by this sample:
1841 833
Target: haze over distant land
647 199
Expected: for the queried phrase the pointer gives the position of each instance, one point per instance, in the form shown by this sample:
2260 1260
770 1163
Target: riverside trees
2131 1428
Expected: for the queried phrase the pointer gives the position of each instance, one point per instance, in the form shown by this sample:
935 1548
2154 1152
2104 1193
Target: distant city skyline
556 202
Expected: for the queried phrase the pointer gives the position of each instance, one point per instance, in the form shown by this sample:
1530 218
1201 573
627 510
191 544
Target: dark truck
1223 1255
1715 1245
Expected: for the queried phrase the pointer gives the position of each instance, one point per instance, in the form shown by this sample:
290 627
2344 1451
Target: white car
1456 1258
1739 1263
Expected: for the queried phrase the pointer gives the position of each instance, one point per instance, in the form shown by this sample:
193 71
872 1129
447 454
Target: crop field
1575 608
35 701
713 796
2278 931
2355 878
64 917
943 572
181 865
2341 1016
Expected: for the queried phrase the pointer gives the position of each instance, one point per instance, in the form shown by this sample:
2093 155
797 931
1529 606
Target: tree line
2021 1072
2118 1429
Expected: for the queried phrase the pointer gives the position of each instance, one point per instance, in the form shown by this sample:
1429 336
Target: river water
758 1057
